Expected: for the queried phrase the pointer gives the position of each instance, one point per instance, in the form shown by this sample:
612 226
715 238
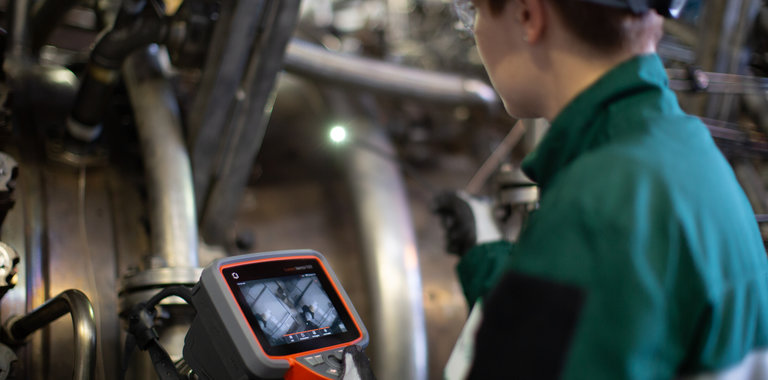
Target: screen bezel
275 268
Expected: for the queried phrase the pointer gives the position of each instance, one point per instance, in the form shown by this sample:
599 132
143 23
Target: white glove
468 220
355 365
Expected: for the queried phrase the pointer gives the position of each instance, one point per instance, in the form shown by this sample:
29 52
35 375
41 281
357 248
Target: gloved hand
355 365
468 220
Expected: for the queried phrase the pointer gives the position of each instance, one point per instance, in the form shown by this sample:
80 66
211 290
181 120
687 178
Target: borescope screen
292 308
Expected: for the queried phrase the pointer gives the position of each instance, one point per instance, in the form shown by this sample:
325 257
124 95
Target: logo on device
235 275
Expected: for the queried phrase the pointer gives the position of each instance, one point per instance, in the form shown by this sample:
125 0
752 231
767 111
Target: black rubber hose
130 33
128 36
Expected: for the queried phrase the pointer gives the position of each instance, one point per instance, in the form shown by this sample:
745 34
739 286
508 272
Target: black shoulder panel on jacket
527 327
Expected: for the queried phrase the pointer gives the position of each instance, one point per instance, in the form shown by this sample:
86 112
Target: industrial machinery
142 140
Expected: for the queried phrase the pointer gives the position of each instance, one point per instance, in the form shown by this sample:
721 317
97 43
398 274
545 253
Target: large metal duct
391 259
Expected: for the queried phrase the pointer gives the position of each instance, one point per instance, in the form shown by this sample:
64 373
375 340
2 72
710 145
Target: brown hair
605 29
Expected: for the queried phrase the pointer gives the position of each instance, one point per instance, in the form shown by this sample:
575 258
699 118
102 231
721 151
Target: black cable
142 333
162 362
183 292
130 345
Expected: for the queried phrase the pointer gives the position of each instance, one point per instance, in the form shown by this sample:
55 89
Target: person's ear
531 15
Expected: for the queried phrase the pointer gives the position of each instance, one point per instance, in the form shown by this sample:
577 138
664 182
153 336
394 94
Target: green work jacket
642 215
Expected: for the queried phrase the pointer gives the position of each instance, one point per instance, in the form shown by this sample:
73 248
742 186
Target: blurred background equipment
141 139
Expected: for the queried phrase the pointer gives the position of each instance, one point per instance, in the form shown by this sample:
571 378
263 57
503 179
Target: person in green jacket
644 259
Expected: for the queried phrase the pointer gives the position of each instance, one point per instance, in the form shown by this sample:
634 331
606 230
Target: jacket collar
579 127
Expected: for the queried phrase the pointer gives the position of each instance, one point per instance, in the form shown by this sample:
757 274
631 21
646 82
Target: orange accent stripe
300 371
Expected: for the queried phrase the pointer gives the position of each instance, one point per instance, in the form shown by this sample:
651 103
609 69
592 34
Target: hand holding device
272 315
467 220
355 365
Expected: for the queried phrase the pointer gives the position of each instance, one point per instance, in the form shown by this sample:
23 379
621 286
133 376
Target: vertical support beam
398 13
733 52
232 112
225 66
709 27
724 29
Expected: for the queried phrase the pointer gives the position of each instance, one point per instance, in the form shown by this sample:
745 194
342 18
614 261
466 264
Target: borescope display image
292 308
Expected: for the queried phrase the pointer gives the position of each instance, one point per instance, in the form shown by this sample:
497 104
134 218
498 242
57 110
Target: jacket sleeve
591 276
480 267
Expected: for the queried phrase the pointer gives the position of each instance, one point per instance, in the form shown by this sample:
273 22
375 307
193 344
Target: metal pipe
69 301
173 219
312 61
391 259
491 164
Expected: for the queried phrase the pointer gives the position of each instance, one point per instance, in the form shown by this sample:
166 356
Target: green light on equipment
338 134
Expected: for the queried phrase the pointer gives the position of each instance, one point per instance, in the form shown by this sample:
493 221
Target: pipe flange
143 285
76 154
160 277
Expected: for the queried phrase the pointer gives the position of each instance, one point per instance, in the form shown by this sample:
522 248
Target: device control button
333 372
314 360
334 360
